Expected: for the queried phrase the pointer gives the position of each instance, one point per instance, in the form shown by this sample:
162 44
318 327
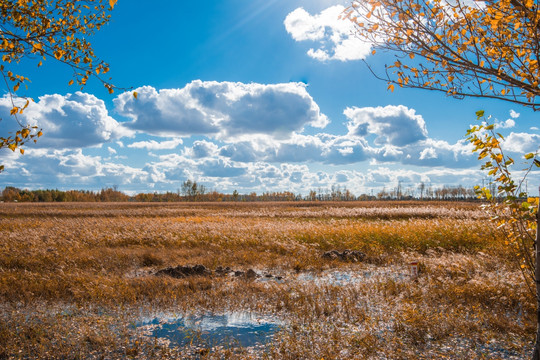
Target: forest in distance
192 191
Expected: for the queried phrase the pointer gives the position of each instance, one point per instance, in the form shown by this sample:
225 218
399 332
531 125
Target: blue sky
249 95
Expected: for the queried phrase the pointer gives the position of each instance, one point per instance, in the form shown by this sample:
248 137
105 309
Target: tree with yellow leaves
48 29
484 49
467 48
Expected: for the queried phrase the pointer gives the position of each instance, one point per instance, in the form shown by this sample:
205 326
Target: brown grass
99 261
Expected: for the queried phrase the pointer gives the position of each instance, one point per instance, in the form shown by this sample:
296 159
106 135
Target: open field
78 280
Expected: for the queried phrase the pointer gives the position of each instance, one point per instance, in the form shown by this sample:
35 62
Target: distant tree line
14 194
191 191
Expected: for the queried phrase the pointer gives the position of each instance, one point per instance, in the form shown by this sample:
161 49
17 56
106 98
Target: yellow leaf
22 151
135 94
70 82
14 110
411 55
39 133
112 3
391 87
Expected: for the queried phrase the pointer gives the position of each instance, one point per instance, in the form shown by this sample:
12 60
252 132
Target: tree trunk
536 353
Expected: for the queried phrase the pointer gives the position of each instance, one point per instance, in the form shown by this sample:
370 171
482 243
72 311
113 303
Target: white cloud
393 125
271 154
521 142
202 149
222 110
428 153
241 151
513 114
155 145
220 168
70 169
335 36
70 121
509 123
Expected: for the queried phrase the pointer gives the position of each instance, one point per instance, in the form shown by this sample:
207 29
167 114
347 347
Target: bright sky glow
252 95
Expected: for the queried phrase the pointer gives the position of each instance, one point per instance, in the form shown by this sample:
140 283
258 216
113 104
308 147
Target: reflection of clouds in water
235 328
233 319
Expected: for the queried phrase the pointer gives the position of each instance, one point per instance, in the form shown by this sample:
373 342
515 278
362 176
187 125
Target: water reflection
230 329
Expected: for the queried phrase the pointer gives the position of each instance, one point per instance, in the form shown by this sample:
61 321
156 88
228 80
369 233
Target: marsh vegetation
81 281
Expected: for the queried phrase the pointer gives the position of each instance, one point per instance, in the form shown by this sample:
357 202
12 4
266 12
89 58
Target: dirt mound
184 271
345 255
181 271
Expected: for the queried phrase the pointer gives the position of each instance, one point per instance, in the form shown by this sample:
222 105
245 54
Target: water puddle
227 330
342 278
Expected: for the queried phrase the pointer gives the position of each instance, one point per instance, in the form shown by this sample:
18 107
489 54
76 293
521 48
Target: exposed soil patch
345 255
182 271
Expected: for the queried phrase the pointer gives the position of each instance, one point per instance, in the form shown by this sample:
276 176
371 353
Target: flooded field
267 280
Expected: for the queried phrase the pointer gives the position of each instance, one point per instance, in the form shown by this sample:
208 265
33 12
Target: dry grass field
77 280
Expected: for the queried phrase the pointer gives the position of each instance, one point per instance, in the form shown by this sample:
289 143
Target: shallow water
230 329
341 278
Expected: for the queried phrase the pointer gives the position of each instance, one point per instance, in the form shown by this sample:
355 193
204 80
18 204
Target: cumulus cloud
335 37
155 145
440 153
509 123
220 168
352 149
202 149
521 142
393 125
68 121
69 169
222 109
428 153
514 114
271 153
324 148
241 151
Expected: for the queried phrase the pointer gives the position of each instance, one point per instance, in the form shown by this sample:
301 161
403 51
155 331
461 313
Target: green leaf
479 114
